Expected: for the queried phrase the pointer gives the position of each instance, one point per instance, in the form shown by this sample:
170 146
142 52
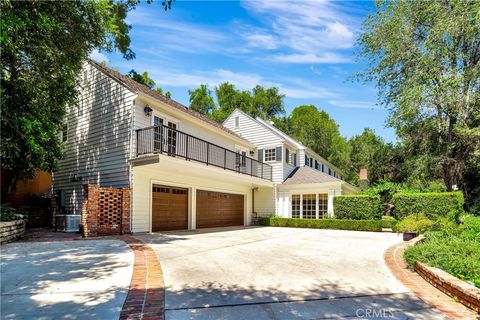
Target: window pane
309 206
296 206
270 154
322 205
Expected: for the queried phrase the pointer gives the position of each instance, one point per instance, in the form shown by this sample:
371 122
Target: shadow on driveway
65 279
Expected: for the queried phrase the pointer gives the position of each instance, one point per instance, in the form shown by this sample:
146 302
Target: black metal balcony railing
165 140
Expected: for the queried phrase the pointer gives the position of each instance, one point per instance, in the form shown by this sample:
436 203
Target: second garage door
217 209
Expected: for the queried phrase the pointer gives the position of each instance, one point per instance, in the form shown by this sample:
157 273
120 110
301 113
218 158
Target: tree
143 79
318 131
43 45
201 100
229 98
367 150
267 103
424 57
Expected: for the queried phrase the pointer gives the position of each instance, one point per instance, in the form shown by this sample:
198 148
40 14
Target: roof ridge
139 87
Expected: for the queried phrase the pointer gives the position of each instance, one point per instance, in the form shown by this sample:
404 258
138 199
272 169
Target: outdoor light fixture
147 110
252 153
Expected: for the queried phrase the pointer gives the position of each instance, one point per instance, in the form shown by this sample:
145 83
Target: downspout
253 202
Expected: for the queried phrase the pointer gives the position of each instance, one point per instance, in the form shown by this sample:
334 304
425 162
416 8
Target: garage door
169 208
216 209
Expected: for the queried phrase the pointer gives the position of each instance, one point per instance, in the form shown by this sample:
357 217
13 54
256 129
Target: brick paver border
425 291
146 295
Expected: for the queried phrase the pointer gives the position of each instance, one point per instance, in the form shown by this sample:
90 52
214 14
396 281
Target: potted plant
414 224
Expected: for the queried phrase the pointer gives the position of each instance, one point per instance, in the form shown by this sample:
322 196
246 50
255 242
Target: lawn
455 250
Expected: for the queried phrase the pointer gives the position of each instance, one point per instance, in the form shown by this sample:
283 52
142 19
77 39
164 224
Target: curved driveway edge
281 273
146 296
425 291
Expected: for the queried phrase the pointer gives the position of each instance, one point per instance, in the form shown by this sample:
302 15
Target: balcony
168 141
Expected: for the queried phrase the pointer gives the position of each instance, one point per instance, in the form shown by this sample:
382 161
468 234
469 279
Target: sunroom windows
310 205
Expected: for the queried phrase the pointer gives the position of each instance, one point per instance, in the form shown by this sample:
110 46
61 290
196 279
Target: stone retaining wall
464 292
11 230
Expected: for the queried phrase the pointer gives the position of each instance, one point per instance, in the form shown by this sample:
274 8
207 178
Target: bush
7 213
415 223
433 204
389 222
357 207
456 250
328 223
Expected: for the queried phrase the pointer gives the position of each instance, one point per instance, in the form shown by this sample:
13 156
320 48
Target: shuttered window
270 154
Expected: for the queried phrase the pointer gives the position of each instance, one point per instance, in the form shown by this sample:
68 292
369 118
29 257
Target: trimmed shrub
415 223
433 204
8 213
389 222
328 223
357 207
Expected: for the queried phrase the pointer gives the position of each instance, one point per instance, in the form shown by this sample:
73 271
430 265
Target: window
295 206
316 165
237 122
309 206
329 172
270 155
290 157
307 161
323 167
322 205
64 133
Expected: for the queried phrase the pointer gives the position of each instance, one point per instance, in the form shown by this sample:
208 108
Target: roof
286 137
281 134
141 88
307 175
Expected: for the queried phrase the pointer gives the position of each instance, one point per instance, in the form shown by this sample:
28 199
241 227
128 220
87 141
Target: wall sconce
252 153
76 178
147 110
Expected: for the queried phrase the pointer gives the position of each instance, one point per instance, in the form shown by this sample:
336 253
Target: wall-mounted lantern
147 110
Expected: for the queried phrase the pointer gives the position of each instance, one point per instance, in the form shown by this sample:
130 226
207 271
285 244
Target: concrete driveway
282 273
65 280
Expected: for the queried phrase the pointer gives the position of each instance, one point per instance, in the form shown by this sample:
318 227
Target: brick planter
11 230
465 293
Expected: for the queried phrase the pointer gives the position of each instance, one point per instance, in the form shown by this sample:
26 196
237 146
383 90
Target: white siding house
185 171
305 183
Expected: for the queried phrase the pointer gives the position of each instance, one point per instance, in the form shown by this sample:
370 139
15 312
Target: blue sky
307 49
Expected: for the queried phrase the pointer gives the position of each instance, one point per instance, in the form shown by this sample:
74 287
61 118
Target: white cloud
295 89
354 104
327 57
98 56
313 30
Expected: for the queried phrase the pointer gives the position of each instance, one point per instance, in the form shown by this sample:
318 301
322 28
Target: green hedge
389 222
357 207
339 224
433 204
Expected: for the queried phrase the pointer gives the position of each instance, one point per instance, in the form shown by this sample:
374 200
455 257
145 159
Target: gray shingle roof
306 175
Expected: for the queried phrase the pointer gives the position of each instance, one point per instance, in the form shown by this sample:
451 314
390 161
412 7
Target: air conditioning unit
67 222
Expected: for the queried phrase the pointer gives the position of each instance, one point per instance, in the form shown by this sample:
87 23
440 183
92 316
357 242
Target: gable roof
286 137
307 175
143 89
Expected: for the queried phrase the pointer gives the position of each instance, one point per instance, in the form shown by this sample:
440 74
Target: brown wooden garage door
169 208
216 209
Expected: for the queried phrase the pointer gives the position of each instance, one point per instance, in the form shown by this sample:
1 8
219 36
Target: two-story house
184 170
304 182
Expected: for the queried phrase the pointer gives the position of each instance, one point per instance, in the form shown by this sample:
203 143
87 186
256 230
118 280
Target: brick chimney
363 179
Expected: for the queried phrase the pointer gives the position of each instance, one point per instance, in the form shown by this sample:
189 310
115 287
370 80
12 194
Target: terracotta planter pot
407 236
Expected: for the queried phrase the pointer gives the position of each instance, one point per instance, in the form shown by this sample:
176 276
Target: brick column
90 210
126 197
